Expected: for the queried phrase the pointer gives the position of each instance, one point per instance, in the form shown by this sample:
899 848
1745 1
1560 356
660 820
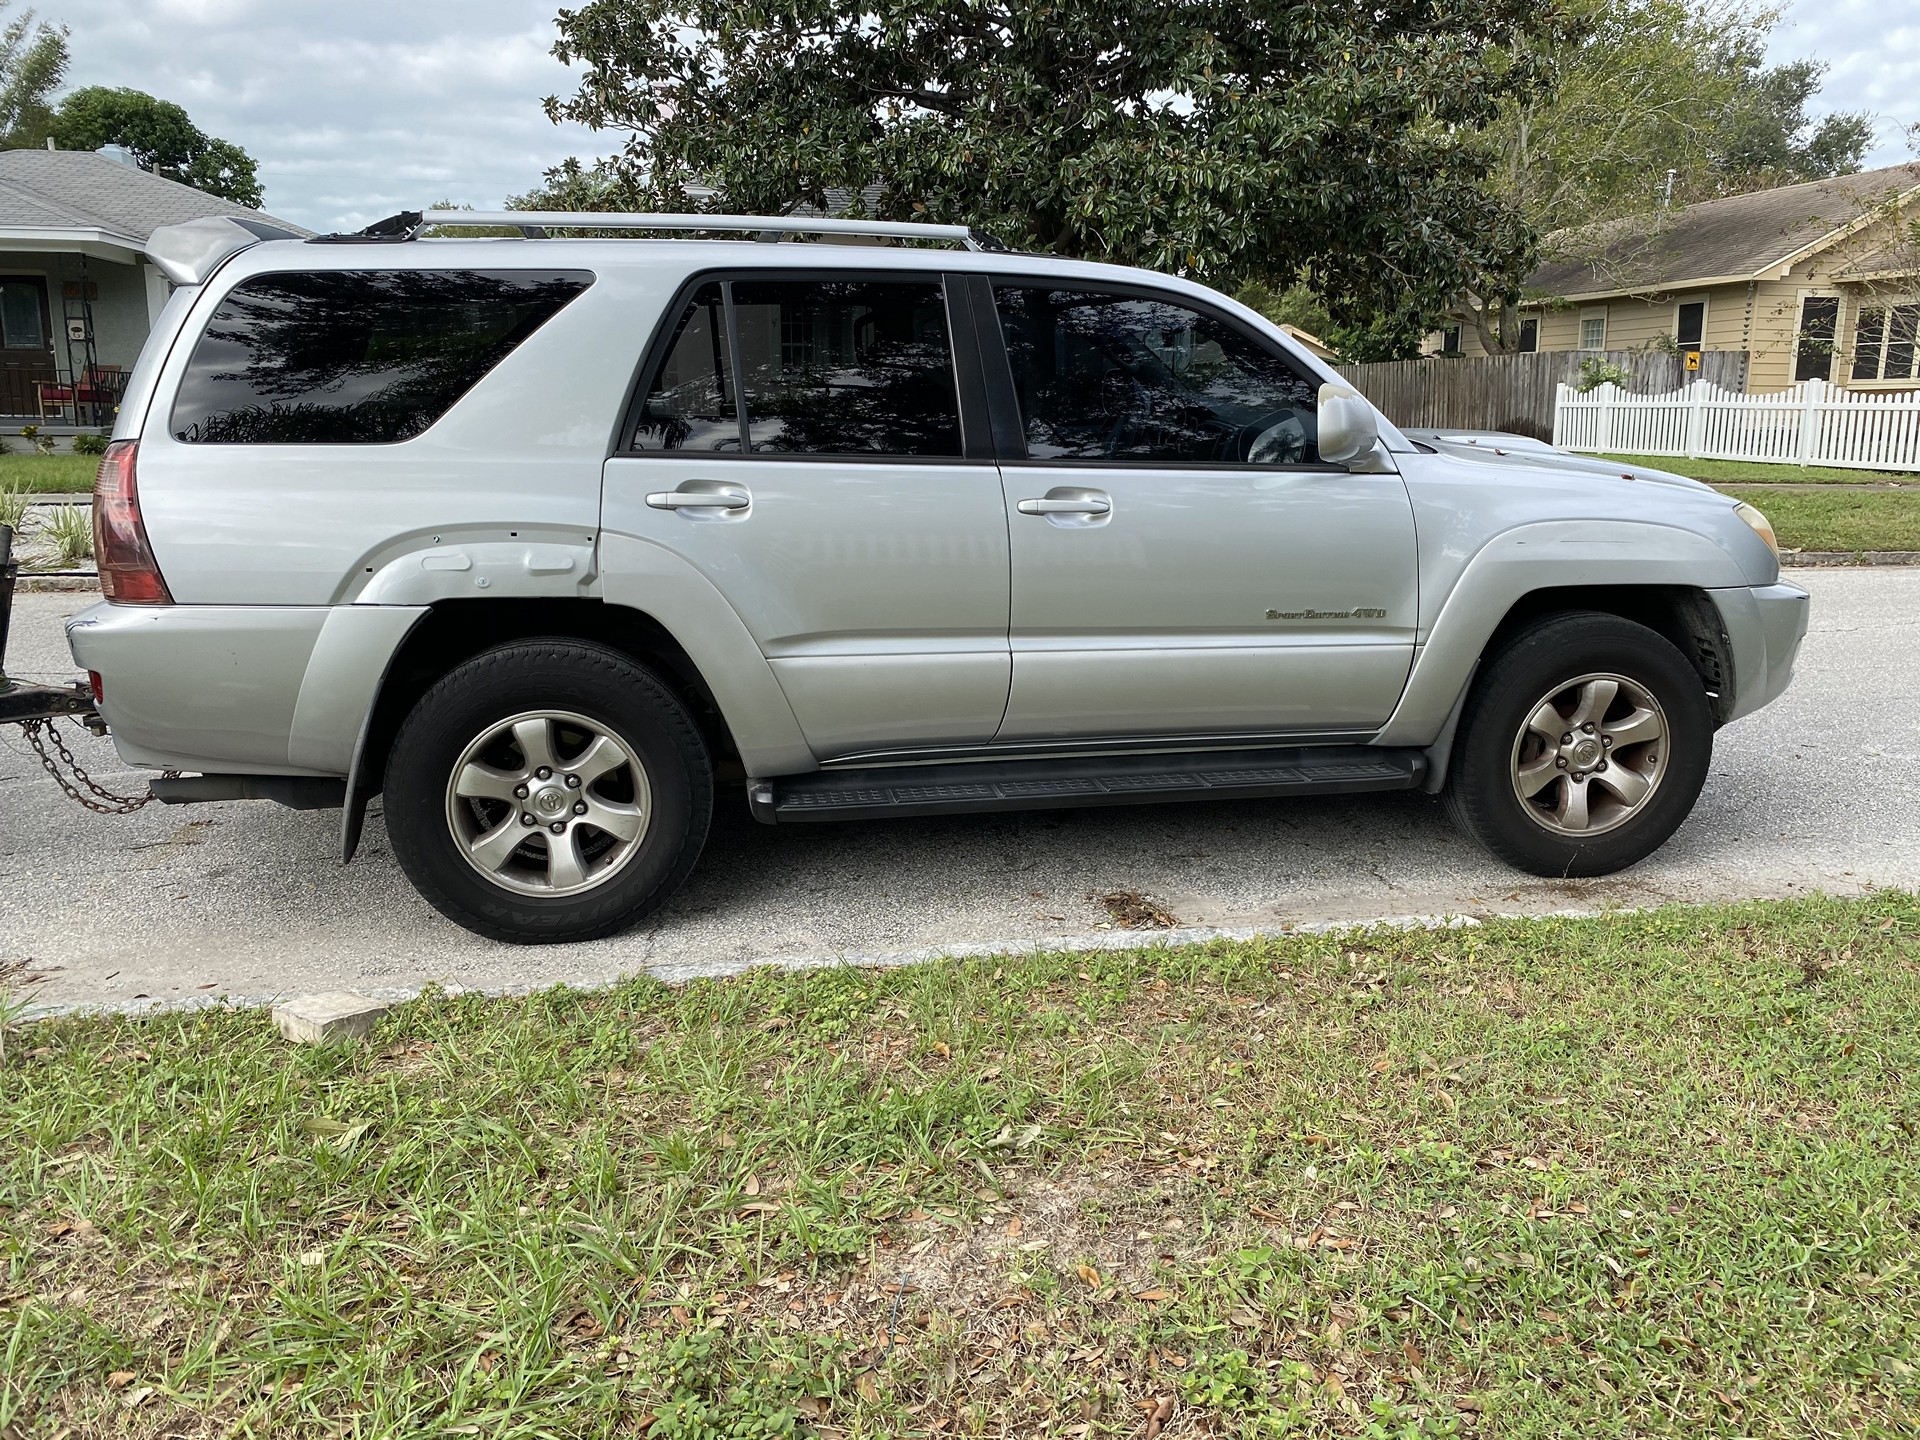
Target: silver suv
551 540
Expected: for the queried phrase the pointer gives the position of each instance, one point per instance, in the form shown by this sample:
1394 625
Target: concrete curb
679 973
1818 558
58 580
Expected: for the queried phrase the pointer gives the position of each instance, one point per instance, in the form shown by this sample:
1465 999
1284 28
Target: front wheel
548 791
1582 748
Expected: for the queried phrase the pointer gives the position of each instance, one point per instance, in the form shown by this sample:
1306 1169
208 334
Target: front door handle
1079 505
717 497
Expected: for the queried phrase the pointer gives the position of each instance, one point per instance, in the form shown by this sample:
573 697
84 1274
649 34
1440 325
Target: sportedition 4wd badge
1365 612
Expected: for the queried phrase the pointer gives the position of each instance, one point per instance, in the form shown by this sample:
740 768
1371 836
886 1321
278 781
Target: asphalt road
1821 791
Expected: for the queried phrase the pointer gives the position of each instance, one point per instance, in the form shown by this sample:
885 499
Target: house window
1819 327
1885 342
1593 329
23 313
1450 340
1530 334
1690 324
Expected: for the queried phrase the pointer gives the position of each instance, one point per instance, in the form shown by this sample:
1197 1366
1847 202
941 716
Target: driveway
246 900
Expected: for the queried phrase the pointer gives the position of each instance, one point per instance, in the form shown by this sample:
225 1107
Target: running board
1053 784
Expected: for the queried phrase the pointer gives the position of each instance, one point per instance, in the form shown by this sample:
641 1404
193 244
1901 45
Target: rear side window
356 356
824 366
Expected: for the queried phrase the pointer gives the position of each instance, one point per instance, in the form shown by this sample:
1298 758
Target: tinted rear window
356 357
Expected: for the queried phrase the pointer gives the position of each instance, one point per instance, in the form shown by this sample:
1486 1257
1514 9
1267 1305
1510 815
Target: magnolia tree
1321 140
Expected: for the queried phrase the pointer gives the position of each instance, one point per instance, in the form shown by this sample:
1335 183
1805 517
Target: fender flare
648 580
1546 555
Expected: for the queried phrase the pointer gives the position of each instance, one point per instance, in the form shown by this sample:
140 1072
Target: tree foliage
1648 86
1317 140
33 62
160 137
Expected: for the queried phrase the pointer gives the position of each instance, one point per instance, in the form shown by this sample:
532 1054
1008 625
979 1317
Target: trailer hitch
35 708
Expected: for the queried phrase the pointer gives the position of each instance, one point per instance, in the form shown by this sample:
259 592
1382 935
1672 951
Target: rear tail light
129 574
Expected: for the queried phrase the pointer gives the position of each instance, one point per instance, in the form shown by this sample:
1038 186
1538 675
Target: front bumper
1766 624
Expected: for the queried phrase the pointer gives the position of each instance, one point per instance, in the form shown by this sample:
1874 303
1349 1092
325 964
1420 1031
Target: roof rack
534 225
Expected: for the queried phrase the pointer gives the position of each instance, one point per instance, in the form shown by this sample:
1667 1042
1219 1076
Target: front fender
1545 555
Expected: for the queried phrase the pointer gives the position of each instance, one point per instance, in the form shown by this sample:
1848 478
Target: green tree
1658 102
33 62
1232 140
160 137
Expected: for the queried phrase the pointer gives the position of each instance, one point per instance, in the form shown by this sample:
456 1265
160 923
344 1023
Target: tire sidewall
1535 664
593 681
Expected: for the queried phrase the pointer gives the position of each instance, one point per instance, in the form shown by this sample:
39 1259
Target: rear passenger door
814 446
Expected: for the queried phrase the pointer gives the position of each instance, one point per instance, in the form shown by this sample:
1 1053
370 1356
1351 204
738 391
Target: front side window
364 357
1123 377
1886 343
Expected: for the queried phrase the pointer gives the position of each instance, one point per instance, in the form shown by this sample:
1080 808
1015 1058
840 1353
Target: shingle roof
80 190
1742 237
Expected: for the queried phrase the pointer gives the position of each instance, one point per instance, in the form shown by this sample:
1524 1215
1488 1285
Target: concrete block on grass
328 1019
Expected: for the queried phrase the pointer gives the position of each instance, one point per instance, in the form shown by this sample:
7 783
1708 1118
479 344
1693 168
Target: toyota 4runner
551 540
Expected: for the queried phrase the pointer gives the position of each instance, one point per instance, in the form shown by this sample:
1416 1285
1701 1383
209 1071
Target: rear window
356 357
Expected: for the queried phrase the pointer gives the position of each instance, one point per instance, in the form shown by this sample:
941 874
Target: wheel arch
454 631
1683 614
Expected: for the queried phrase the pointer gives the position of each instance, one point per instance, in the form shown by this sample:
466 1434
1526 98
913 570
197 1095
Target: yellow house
1813 281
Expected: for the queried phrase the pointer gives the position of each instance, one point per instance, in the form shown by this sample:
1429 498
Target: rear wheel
548 791
1582 748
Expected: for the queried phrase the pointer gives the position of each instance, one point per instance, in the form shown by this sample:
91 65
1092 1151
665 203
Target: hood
1492 447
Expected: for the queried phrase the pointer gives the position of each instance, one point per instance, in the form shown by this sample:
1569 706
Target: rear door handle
719 497
1050 505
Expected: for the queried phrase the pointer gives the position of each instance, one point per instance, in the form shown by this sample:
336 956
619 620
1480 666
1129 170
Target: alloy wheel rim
548 803
1590 755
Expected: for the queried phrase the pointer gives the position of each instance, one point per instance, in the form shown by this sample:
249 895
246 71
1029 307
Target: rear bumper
238 690
1766 624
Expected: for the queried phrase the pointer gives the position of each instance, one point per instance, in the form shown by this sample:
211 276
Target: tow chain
99 799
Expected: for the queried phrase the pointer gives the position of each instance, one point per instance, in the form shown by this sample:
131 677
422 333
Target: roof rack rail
534 225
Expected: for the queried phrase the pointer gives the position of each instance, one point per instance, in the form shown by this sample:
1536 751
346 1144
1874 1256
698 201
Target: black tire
611 690
1482 792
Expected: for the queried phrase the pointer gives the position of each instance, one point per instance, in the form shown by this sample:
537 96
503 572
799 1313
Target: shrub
88 444
70 532
13 506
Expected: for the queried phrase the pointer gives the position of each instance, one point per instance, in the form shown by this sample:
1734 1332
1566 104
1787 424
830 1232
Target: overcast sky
358 108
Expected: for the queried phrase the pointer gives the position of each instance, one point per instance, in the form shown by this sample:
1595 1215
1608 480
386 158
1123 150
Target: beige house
1820 280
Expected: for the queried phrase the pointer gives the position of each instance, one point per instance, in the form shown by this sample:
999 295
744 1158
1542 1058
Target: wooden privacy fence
1812 424
1516 393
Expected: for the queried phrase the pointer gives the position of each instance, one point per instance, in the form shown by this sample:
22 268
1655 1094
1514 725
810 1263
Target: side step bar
1052 784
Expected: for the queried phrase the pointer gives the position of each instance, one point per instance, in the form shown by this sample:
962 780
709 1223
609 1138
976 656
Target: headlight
1758 524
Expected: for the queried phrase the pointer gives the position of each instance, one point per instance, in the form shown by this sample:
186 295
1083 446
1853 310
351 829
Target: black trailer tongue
19 701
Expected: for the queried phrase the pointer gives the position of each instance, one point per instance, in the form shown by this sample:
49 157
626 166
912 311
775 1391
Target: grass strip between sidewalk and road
1851 520
1647 1174
49 474
1717 472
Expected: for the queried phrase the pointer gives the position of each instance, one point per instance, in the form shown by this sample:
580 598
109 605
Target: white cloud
354 108
1873 49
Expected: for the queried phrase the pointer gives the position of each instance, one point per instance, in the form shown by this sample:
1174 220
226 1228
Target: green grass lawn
1635 1175
1716 471
49 474
1839 519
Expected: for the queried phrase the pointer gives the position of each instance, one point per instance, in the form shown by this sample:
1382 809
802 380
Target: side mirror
1348 429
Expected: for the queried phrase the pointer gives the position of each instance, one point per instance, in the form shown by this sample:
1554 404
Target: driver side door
1183 563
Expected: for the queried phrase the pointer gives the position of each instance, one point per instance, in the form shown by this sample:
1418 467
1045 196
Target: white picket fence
1812 424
